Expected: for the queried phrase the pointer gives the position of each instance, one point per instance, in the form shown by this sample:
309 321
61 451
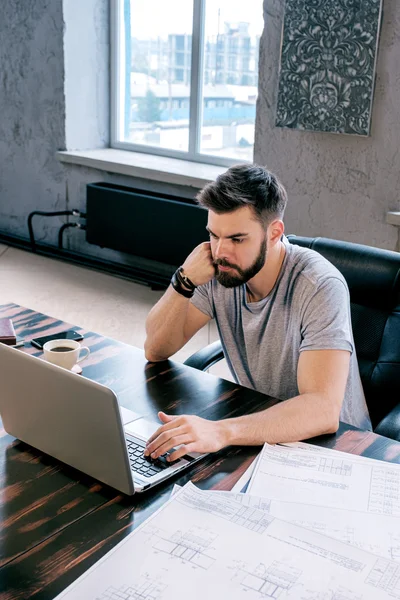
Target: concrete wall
339 186
54 69
32 121
55 95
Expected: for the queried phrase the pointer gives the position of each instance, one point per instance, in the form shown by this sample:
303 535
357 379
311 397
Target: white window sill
146 166
393 218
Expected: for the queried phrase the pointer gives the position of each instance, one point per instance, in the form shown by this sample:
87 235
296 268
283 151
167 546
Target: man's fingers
155 435
191 447
165 427
176 440
162 438
166 418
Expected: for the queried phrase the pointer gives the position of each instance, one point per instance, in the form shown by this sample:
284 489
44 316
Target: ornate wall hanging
327 65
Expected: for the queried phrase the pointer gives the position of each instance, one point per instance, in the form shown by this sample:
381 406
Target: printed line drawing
345 595
385 576
252 518
191 547
321 464
254 501
145 589
384 492
346 534
335 467
268 582
246 516
339 594
395 547
339 482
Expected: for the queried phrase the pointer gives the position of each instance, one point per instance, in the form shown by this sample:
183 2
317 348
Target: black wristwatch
184 279
178 286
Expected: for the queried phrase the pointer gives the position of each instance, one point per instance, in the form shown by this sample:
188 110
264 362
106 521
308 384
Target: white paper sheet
379 534
175 489
207 545
336 453
242 484
327 479
375 533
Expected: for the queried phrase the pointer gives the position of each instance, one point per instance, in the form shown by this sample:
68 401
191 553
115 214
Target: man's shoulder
311 267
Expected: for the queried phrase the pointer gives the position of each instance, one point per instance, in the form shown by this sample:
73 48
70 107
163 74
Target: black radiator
155 226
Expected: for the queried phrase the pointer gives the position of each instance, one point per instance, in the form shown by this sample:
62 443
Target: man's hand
199 266
190 433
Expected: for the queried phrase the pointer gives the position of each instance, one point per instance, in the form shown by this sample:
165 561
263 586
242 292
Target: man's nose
221 249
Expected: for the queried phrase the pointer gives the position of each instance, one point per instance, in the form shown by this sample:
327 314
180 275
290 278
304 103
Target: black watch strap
178 287
184 279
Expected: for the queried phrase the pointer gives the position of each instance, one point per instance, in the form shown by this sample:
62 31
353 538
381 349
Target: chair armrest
390 425
206 357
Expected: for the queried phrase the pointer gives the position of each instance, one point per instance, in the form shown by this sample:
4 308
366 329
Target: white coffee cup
64 353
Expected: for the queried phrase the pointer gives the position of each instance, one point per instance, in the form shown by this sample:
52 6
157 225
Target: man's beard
229 280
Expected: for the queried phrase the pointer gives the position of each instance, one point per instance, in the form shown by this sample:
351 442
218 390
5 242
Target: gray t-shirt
307 309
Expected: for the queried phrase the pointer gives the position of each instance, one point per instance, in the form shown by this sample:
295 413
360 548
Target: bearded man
283 317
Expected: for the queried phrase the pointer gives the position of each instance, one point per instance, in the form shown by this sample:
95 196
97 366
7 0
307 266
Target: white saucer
77 369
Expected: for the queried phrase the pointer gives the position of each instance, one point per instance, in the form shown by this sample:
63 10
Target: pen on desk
18 344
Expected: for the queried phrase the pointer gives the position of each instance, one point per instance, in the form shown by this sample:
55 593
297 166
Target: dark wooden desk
55 522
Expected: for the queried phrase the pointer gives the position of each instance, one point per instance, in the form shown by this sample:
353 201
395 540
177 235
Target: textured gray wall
54 95
339 186
32 112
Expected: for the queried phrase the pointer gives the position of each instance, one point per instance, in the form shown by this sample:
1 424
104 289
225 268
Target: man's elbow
151 355
333 420
333 426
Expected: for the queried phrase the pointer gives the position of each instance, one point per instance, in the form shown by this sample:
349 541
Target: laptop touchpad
142 428
128 415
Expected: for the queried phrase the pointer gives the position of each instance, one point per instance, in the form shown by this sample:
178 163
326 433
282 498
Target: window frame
196 92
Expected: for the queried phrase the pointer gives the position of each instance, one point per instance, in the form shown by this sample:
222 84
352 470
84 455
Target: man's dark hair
246 185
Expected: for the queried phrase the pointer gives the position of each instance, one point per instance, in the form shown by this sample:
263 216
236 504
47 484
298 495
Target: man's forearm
165 326
292 420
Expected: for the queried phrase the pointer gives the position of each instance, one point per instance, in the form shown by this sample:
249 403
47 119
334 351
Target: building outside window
187 86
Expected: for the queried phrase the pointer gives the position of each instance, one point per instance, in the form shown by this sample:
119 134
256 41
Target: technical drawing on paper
384 491
252 501
339 594
395 547
344 534
191 547
334 466
145 589
345 595
246 516
322 464
268 582
386 576
252 518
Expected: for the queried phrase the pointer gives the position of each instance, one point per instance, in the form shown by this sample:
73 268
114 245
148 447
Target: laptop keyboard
145 465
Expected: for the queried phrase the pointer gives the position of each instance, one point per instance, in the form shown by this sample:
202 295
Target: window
185 77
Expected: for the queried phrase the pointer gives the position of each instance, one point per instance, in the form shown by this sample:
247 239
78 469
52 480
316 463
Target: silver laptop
79 422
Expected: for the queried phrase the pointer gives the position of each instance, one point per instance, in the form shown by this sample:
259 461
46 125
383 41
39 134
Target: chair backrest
373 278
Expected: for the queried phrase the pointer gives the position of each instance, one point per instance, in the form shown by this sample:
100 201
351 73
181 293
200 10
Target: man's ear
275 231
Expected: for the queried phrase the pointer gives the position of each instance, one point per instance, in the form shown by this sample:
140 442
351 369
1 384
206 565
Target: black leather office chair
373 277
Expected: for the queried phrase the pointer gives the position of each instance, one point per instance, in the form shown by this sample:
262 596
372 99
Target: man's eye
237 240
212 235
